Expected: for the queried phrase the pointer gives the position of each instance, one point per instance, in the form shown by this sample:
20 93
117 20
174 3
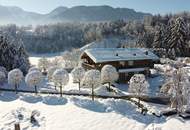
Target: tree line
170 32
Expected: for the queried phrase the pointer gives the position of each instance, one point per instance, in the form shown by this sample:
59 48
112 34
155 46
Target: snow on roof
120 54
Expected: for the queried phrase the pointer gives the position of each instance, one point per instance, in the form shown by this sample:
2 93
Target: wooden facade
125 68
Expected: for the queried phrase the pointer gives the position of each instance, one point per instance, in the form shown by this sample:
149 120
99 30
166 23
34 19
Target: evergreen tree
13 54
159 37
178 38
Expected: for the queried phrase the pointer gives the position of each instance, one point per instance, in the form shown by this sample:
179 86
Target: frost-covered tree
77 75
33 78
159 37
2 77
92 79
15 77
50 71
61 77
179 88
43 64
109 75
13 54
179 35
138 85
33 69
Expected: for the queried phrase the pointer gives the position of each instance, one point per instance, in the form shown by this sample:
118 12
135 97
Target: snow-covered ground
79 113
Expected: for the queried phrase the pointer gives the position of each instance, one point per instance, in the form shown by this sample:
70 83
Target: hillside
16 15
98 13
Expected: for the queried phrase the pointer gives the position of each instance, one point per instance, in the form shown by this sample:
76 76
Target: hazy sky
150 6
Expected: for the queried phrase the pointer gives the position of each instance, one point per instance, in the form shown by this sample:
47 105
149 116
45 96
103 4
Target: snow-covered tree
61 77
92 79
33 69
2 77
15 77
13 54
138 85
33 78
179 35
179 89
109 75
159 37
77 74
43 64
50 71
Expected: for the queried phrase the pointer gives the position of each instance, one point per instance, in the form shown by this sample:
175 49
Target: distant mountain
11 14
17 15
98 13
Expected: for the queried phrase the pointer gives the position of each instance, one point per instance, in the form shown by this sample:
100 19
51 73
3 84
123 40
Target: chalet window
122 63
130 63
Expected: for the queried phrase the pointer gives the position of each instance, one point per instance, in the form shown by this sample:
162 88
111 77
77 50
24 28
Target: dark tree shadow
54 100
8 96
89 104
30 98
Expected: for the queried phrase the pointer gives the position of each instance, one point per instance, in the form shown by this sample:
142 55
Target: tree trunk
16 88
139 102
109 87
92 92
17 126
79 85
55 87
36 89
61 91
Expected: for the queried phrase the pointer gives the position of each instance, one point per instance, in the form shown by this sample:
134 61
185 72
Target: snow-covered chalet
127 61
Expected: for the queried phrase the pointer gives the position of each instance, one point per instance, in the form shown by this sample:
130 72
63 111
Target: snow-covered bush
92 79
15 77
2 77
33 69
43 64
138 85
33 78
77 74
109 75
50 71
61 78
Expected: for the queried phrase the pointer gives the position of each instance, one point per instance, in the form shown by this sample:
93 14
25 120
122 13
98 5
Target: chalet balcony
88 66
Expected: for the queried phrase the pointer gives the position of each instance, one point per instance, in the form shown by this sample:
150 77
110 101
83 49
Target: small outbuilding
127 61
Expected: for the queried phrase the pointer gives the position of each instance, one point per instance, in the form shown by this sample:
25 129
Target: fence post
17 126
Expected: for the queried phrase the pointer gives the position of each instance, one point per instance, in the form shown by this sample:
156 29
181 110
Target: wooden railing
88 66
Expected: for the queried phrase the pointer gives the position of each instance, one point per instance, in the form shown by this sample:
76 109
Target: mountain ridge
16 15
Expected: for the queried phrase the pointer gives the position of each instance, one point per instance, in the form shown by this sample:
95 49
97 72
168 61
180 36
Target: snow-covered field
79 113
